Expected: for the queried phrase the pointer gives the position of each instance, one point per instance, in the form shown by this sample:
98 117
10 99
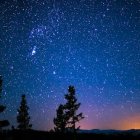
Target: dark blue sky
47 45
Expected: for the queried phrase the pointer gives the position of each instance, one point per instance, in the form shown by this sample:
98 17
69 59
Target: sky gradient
47 45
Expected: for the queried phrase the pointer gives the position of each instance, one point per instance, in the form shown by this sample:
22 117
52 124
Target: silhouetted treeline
66 115
65 123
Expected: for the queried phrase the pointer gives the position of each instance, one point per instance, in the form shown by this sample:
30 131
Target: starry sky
47 45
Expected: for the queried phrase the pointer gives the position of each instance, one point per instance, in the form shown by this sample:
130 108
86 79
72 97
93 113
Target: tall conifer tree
23 117
71 108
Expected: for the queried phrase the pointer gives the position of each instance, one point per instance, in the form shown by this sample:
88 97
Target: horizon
47 45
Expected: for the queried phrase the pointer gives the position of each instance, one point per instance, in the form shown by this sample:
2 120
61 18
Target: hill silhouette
81 135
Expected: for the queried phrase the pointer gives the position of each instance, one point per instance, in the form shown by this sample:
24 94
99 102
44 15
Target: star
54 72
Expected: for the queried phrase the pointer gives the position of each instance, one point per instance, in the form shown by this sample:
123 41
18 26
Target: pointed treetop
71 89
23 95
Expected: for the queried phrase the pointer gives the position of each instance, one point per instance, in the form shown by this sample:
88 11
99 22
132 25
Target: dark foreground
40 135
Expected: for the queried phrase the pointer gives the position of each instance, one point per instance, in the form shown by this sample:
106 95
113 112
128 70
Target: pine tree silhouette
3 123
23 117
60 120
71 107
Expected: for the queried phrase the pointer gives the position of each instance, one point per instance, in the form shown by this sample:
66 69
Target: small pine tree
60 120
71 107
3 123
23 117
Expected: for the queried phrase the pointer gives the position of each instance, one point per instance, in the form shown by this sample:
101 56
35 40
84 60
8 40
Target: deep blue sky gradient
47 45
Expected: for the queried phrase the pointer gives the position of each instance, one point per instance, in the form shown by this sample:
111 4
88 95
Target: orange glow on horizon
130 122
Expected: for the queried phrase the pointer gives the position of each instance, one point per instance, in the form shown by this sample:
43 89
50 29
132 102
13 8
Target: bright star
34 50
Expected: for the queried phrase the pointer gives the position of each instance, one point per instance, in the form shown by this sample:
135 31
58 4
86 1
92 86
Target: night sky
47 45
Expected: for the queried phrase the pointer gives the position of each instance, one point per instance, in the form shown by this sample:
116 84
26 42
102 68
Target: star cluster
47 45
